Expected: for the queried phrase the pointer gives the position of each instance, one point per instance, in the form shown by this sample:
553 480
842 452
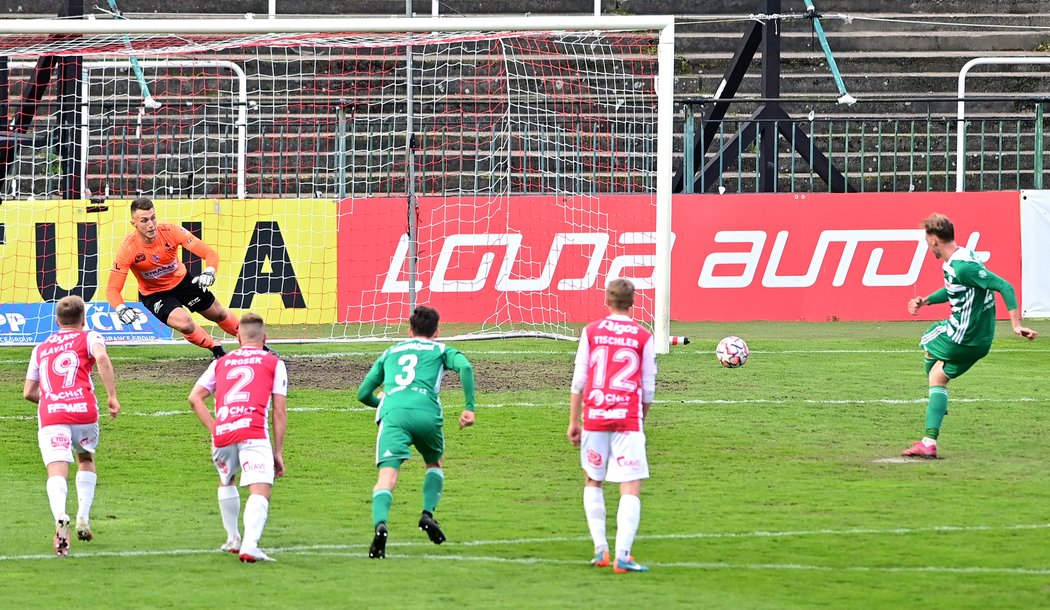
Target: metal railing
878 145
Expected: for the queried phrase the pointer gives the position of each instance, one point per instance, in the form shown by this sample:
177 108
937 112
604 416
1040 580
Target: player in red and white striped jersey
59 382
248 383
612 388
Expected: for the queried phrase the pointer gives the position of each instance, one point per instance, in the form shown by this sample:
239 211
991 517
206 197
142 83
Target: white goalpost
499 169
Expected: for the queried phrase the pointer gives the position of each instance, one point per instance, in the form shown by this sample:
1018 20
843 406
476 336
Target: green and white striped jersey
970 289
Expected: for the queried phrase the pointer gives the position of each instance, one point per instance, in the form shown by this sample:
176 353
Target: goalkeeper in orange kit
151 254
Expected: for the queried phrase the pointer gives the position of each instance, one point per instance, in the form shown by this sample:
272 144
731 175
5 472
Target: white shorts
254 460
617 457
59 441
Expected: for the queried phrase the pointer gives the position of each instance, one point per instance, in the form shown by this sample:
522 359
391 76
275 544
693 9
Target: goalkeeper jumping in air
151 253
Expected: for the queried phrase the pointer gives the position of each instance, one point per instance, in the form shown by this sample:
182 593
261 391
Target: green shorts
957 358
403 427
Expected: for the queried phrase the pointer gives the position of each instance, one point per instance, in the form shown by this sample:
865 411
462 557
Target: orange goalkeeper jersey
156 265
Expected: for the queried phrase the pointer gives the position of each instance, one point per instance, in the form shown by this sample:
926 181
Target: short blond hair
619 294
252 327
69 310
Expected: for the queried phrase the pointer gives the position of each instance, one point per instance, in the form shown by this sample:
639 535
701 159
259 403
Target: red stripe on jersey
67 395
243 387
613 397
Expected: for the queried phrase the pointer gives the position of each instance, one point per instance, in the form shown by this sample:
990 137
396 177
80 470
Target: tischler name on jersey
618 328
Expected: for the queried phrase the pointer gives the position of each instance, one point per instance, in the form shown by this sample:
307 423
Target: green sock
936 409
381 501
433 482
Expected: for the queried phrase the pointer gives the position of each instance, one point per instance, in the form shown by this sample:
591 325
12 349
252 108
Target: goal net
501 171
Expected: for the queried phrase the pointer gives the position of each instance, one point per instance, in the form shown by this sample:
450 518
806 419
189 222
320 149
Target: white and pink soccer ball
732 352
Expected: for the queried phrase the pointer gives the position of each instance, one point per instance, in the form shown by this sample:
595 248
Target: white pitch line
698 565
566 352
320 548
688 401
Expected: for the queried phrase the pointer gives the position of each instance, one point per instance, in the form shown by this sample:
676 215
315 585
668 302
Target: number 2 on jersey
236 393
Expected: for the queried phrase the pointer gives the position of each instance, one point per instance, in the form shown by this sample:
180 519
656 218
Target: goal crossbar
332 25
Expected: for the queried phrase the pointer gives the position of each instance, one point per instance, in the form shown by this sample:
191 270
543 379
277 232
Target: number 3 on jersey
408 369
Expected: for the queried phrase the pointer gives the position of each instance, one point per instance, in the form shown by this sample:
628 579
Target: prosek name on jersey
233 361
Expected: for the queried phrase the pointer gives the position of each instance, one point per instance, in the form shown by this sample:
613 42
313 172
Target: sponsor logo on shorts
60 441
223 467
625 462
194 301
249 467
89 441
594 458
157 306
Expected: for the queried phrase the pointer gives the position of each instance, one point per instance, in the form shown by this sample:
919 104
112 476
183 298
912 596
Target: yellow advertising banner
277 256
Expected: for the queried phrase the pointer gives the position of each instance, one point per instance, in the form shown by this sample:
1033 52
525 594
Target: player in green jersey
954 345
409 413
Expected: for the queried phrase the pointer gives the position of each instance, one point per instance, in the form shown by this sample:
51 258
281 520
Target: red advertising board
827 256
515 258
735 257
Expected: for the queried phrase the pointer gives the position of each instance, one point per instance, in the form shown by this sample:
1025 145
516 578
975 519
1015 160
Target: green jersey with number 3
410 374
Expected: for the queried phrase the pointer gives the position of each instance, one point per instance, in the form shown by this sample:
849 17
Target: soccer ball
732 352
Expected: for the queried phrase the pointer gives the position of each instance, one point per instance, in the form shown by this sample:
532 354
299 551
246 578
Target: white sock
927 441
57 489
230 509
86 481
256 509
627 518
594 508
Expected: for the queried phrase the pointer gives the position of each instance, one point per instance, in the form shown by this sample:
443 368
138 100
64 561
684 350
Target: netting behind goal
499 176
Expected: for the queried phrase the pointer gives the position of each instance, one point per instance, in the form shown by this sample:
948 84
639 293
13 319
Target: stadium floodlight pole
960 122
811 12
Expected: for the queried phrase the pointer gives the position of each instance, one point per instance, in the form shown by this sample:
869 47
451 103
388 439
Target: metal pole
960 122
1037 165
340 155
410 175
845 98
664 171
688 163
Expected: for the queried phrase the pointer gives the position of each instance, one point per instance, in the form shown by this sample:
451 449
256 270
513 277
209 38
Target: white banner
1035 254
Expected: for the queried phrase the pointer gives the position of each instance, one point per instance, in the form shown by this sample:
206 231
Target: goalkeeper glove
126 314
206 278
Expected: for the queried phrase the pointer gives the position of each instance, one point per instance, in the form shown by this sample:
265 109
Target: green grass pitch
773 486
